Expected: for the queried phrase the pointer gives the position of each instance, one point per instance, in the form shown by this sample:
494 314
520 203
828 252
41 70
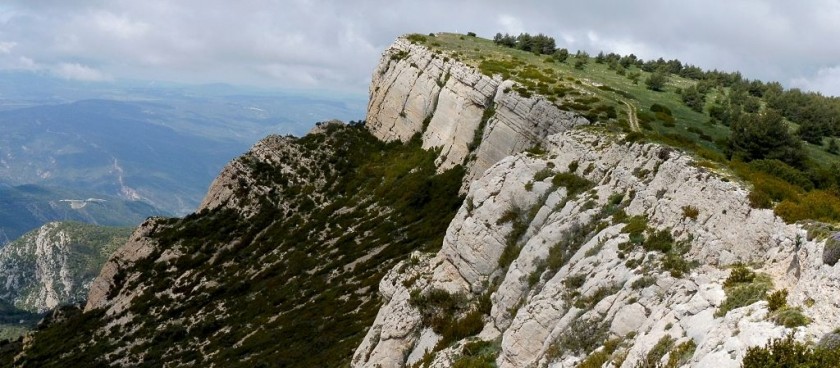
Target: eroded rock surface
605 285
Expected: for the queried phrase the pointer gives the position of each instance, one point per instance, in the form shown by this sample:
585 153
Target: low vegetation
743 287
788 353
241 284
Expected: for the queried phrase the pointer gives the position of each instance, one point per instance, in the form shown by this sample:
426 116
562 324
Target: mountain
27 207
497 208
51 266
159 144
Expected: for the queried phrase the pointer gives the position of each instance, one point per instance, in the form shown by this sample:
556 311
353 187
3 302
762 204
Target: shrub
636 225
675 264
662 109
643 282
574 184
581 337
573 166
818 205
476 354
657 352
739 274
785 353
681 354
690 212
416 38
543 174
777 300
741 296
790 317
831 252
661 241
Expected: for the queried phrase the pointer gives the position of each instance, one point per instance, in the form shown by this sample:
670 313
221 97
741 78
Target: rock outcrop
473 119
555 260
55 264
603 285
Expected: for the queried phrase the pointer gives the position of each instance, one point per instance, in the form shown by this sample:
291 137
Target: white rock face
414 90
624 291
53 265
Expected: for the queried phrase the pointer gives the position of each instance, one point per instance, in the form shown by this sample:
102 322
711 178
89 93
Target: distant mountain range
156 145
26 207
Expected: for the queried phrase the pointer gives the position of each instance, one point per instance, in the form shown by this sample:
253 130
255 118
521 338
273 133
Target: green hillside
691 109
295 284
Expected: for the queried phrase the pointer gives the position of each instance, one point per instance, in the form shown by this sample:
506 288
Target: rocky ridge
589 246
473 119
604 285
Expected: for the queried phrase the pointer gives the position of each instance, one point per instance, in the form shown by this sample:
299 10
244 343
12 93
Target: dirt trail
631 114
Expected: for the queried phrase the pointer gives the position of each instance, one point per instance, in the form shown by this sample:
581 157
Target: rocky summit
470 222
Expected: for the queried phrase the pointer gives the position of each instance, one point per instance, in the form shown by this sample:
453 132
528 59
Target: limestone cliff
474 119
55 264
544 247
626 291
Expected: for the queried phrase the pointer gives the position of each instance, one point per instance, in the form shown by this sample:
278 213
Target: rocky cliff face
591 247
602 285
55 264
473 119
599 247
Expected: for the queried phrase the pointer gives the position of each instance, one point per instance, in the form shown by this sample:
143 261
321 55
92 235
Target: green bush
788 353
739 274
657 352
574 184
543 174
660 240
777 300
416 38
681 354
643 282
741 296
581 337
790 317
636 225
477 354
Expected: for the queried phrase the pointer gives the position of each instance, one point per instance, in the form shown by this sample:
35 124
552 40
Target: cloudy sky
334 45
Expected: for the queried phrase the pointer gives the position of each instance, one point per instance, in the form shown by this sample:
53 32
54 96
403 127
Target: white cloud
119 26
6 47
335 44
76 71
510 24
826 80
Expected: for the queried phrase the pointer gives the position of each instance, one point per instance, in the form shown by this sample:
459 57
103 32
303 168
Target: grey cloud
335 44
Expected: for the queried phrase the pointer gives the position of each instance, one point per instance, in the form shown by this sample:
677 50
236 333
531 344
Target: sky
335 45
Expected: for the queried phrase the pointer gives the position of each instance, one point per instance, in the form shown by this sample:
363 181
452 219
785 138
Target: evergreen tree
765 136
561 55
832 146
656 81
692 98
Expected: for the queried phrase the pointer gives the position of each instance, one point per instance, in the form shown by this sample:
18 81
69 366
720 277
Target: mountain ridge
634 247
